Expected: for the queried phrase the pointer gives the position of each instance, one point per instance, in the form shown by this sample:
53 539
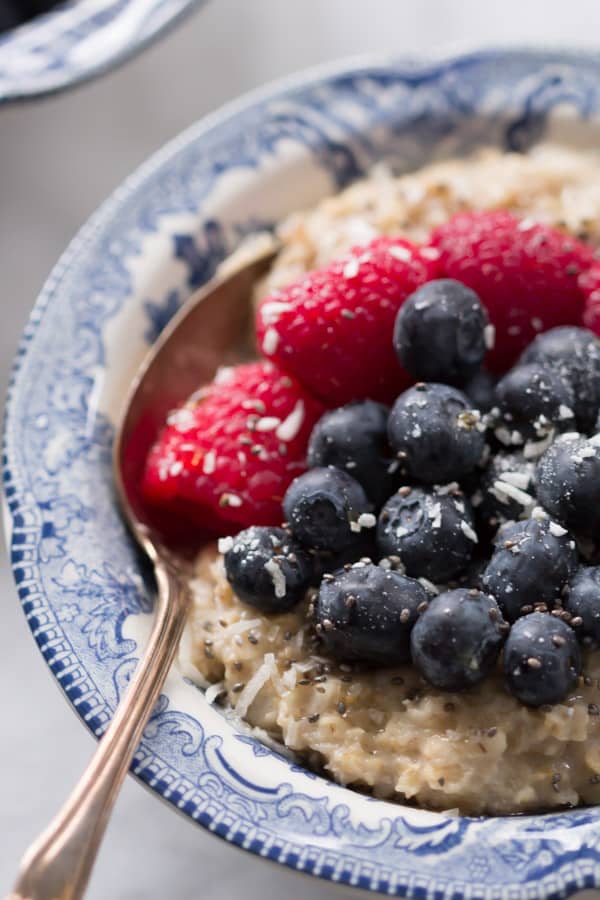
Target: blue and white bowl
158 237
78 40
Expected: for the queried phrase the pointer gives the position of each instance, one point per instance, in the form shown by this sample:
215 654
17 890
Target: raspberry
525 274
589 282
333 328
226 457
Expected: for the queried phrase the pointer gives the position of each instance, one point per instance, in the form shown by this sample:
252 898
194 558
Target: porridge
415 615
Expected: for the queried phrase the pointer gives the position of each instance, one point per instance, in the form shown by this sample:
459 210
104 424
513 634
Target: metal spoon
210 329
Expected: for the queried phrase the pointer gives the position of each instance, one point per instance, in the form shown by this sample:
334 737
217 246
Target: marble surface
58 159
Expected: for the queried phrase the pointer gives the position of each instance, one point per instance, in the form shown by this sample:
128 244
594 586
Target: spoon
209 330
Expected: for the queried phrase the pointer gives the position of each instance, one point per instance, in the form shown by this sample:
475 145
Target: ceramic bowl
156 239
78 40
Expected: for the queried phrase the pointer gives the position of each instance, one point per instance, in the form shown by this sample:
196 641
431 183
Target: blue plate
78 40
159 236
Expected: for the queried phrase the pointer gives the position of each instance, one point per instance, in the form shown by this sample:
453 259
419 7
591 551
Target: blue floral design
160 314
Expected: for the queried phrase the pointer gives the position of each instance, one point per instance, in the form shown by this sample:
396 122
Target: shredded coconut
223 375
428 585
272 309
263 674
443 489
533 449
503 489
539 513
210 462
398 252
468 532
277 577
435 514
225 544
367 520
268 423
351 268
270 341
556 529
291 425
519 479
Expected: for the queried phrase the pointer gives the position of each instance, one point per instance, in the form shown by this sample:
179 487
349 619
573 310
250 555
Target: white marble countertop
58 159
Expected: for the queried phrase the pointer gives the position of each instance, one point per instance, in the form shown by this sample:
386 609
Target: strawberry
524 273
333 328
225 458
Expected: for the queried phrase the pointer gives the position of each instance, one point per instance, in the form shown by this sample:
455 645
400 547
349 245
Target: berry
354 438
432 531
225 458
532 404
583 601
333 328
481 390
367 613
437 436
440 332
525 274
531 565
267 568
327 561
456 641
567 482
542 660
327 509
589 282
505 492
574 354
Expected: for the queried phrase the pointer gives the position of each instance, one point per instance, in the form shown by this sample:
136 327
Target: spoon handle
57 866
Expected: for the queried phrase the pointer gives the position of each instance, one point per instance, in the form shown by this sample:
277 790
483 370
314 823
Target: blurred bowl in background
46 47
79 578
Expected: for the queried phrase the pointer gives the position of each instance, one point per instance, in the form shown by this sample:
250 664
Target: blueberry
367 613
456 641
481 390
267 568
437 436
583 601
574 354
432 532
327 561
505 492
567 482
354 438
531 565
326 509
532 403
440 332
542 660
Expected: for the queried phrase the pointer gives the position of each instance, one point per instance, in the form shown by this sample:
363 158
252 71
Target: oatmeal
481 751
479 689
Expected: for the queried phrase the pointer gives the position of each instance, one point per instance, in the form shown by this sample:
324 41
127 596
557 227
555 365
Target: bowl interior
80 580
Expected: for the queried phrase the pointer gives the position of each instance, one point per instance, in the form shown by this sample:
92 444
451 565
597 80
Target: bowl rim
104 214
59 74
